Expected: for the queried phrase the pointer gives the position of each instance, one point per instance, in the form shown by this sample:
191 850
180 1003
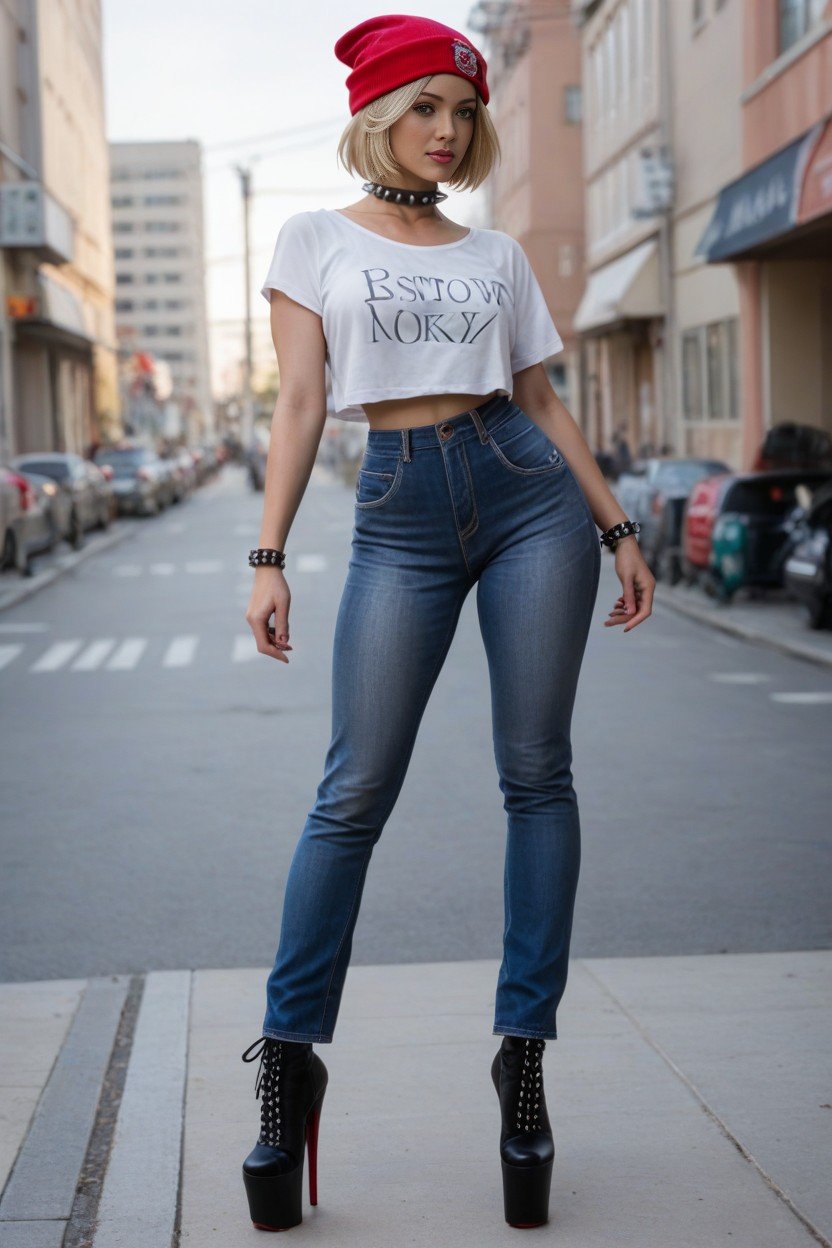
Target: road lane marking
203 565
310 563
162 569
740 678
802 699
8 654
181 651
127 569
245 648
59 652
94 655
127 655
24 628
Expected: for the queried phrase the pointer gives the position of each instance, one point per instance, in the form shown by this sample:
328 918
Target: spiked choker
401 195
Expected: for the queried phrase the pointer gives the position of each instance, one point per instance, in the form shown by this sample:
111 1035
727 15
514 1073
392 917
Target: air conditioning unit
31 218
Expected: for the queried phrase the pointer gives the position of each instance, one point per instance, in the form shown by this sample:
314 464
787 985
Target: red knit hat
387 51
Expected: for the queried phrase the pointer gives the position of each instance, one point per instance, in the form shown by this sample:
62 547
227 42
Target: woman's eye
469 111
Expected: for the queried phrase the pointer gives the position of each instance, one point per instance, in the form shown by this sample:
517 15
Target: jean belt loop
481 430
406 445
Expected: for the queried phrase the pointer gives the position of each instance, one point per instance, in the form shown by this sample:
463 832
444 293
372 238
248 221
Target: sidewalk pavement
690 1100
772 620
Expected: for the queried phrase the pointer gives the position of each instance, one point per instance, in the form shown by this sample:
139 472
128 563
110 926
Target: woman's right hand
270 595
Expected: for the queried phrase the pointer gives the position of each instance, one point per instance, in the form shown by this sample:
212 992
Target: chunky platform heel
527 1149
292 1080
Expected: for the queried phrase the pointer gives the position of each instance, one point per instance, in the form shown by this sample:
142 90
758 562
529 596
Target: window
796 18
124 253
710 372
152 201
124 305
124 279
691 375
572 101
716 339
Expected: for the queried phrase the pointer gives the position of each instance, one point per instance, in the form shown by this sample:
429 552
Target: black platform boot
292 1079
527 1150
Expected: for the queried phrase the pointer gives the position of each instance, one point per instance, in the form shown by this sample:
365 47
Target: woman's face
442 117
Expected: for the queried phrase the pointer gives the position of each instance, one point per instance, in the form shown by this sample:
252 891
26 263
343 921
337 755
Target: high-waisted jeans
484 498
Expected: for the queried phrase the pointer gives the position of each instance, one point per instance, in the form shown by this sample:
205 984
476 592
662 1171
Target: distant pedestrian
621 450
474 473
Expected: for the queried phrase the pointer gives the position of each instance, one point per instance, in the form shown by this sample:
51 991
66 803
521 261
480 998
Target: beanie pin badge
464 58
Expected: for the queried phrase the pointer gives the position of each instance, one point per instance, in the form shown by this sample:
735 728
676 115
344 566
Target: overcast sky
259 76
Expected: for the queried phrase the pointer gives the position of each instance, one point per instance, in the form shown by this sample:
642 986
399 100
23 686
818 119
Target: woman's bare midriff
424 409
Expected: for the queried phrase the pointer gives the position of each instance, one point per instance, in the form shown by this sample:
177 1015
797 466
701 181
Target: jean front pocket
522 446
375 486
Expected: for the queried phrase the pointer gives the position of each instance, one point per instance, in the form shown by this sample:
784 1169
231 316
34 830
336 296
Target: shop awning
625 288
762 205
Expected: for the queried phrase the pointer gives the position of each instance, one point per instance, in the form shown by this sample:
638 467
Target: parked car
789 445
139 483
56 504
808 568
186 471
24 522
738 527
89 491
655 495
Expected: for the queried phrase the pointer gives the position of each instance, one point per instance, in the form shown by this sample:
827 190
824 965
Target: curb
30 585
797 649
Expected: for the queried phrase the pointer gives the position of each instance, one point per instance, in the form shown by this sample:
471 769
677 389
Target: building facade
536 190
156 198
58 355
771 226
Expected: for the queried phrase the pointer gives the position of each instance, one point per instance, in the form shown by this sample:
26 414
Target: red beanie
387 51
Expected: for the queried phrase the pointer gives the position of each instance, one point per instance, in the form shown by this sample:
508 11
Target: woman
474 473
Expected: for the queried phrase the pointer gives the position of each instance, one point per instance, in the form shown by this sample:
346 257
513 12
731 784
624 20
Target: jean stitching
456 518
523 1031
475 518
527 472
377 502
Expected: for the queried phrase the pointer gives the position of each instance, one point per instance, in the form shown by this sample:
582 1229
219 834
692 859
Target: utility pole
247 420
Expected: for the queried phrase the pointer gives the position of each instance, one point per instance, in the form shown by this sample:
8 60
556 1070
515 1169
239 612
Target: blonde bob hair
364 147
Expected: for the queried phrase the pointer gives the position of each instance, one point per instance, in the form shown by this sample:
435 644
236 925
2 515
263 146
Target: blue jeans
484 498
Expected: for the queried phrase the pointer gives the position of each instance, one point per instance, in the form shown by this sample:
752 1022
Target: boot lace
267 1082
529 1099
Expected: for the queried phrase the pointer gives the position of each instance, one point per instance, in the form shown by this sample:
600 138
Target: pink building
773 224
534 72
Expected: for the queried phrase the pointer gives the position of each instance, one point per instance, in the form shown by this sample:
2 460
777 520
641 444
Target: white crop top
402 320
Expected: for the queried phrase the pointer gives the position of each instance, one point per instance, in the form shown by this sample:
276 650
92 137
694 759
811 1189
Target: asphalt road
157 771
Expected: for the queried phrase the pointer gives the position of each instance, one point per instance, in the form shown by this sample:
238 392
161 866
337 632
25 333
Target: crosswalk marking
802 699
8 654
94 655
59 652
740 678
127 655
245 648
181 651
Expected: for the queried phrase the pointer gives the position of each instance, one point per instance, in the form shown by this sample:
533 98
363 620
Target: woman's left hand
636 603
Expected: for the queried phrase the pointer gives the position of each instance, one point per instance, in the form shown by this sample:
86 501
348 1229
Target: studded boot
292 1080
527 1150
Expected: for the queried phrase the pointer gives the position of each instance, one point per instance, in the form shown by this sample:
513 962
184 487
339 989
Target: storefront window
710 372
692 374
716 340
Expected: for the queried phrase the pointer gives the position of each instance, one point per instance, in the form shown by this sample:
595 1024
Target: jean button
446 431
